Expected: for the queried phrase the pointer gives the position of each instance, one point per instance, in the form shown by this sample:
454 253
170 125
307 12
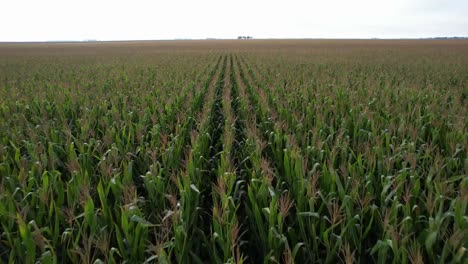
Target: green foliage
233 154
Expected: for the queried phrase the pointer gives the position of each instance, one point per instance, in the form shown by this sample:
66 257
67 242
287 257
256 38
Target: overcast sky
33 20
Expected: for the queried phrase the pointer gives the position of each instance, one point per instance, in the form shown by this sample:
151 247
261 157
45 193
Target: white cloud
25 20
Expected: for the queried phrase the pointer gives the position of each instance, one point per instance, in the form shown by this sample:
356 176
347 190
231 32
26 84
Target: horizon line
211 39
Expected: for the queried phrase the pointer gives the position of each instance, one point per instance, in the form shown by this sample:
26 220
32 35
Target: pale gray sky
32 20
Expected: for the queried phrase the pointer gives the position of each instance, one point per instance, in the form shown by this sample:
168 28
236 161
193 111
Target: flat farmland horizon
236 43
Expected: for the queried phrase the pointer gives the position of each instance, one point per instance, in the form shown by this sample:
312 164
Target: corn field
259 151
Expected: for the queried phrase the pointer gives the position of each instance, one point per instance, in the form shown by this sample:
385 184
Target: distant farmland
217 151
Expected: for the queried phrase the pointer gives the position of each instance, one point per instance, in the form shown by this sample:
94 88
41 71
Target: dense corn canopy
306 151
